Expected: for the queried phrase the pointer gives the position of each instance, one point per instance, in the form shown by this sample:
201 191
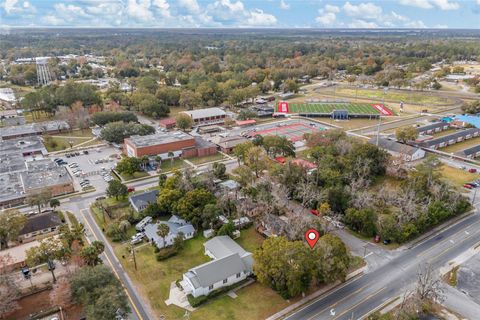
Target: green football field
353 108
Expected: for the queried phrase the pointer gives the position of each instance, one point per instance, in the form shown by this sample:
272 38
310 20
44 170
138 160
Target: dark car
100 198
67 155
85 151
387 241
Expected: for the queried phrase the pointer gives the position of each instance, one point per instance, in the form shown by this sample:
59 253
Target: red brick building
164 144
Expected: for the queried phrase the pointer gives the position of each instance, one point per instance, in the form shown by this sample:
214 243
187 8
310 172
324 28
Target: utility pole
132 248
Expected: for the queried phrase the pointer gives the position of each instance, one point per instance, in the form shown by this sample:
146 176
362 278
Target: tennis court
327 108
293 131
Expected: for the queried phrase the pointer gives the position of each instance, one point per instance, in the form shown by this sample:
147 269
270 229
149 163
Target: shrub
61 216
166 253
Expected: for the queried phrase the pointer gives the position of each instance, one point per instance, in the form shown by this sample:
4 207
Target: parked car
85 151
137 238
314 212
99 198
131 189
387 241
376 239
467 186
472 170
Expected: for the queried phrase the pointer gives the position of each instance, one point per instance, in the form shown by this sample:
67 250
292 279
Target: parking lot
91 168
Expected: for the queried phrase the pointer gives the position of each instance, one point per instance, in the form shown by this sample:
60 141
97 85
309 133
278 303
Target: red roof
245 122
168 121
304 163
281 160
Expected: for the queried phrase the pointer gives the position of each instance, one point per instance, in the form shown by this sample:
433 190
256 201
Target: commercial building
33 129
12 192
178 144
25 146
230 264
56 179
396 149
459 136
206 116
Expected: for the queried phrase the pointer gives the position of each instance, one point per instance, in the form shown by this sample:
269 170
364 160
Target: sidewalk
316 294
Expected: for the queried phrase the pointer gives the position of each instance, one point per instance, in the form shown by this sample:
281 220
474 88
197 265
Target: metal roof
217 270
223 246
393 146
158 138
205 113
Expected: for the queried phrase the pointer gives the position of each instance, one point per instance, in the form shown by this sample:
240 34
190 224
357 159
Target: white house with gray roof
176 226
230 264
140 201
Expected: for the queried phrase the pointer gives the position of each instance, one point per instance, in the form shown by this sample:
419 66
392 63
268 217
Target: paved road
79 206
357 298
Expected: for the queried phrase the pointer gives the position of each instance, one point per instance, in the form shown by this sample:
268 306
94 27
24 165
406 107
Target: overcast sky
242 13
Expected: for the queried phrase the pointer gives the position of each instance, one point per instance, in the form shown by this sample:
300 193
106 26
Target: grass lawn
39 117
55 143
462 145
153 279
457 177
87 133
168 165
425 98
200 160
174 111
135 175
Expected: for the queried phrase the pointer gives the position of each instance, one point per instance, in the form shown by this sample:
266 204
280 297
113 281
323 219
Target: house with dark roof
397 149
39 225
230 264
433 128
471 153
459 136
140 201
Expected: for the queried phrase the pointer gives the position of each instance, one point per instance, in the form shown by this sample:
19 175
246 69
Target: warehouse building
206 116
450 139
178 144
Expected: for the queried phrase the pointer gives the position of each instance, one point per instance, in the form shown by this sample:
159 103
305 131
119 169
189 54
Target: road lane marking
336 303
113 268
437 245
322 296
369 254
446 250
360 302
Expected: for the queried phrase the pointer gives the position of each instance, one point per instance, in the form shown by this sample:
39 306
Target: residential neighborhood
201 160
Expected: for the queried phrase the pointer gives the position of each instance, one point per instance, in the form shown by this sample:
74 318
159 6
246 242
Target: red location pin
312 236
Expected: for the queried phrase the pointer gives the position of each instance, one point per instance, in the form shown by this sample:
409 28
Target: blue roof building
469 119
